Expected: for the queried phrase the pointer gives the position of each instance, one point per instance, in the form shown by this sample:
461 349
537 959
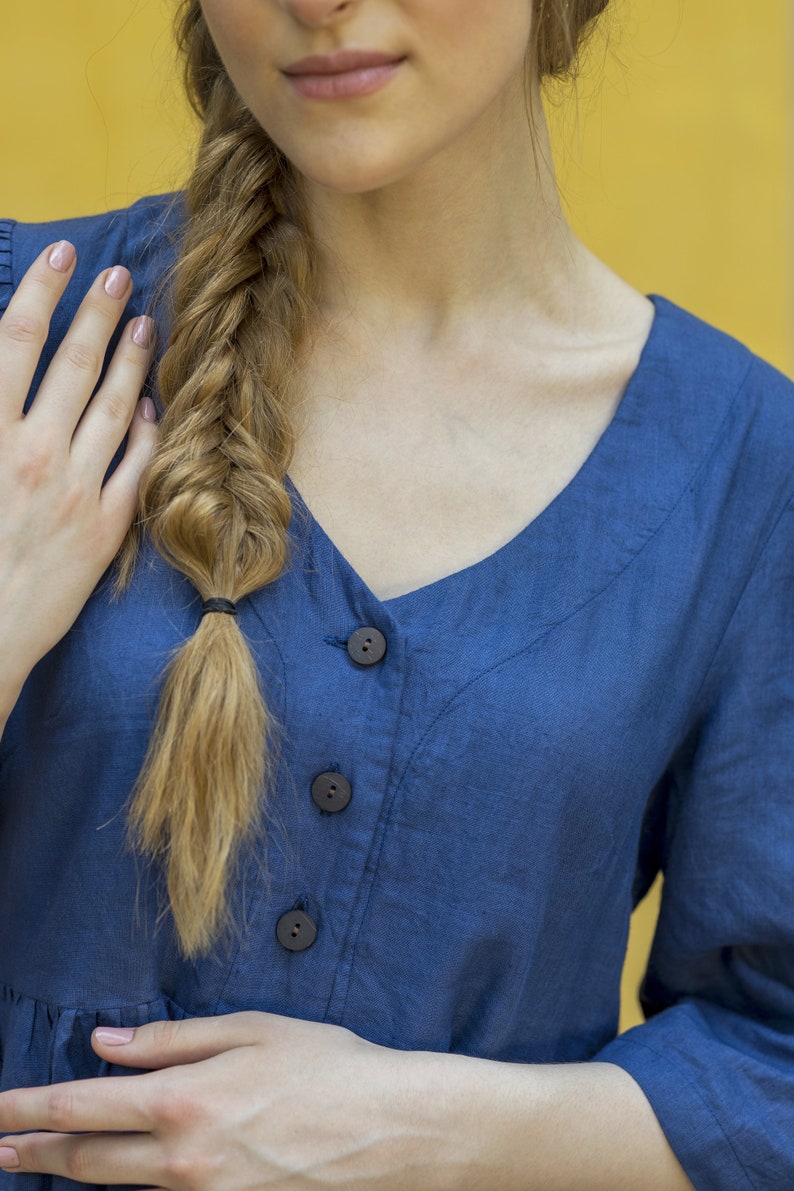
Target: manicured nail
142 331
117 282
109 1036
8 1157
148 410
61 256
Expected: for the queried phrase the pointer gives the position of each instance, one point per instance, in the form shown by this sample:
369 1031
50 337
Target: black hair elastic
218 604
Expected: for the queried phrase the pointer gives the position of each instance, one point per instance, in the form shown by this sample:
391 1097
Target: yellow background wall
676 161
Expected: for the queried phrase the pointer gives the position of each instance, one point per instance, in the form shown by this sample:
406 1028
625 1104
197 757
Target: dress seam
17 993
787 509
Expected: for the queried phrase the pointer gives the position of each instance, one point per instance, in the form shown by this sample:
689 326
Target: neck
475 234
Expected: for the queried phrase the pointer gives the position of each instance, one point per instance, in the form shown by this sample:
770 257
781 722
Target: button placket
333 783
331 792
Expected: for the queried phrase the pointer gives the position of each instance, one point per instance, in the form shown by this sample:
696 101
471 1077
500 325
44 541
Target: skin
444 257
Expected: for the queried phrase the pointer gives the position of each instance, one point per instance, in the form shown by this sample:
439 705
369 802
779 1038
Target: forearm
562 1127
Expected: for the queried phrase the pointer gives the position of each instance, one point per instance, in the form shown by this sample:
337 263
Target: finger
119 497
74 371
162 1044
26 323
104 1159
84 1105
111 411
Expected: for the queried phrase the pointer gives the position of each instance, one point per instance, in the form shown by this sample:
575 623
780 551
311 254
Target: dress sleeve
715 1056
6 264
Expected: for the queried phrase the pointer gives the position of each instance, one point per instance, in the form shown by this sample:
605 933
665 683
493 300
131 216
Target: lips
341 62
345 74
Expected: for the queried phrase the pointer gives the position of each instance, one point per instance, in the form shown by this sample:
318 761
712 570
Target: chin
351 168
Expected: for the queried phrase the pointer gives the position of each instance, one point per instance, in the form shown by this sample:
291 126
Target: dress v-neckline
623 417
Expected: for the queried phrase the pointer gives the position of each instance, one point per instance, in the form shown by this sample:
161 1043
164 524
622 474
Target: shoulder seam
6 261
787 508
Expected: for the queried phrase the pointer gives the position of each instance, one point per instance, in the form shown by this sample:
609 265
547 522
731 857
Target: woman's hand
60 528
250 1100
254 1101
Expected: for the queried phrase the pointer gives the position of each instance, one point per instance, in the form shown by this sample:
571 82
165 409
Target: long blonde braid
214 500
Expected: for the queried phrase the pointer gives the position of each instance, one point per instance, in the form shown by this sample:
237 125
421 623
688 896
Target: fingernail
142 331
117 282
8 1157
148 410
61 256
109 1036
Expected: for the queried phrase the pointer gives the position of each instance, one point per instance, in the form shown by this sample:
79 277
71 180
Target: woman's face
456 67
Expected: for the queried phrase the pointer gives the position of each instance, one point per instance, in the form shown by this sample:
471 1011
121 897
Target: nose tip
317 13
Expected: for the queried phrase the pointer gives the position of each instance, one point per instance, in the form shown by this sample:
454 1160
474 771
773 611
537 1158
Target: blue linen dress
609 694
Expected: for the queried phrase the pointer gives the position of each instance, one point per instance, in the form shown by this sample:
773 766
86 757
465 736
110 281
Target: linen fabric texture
607 696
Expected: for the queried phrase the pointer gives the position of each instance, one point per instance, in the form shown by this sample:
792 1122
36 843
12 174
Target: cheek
475 37
245 36
469 62
228 22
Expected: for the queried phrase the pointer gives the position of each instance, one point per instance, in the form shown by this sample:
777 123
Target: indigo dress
527 743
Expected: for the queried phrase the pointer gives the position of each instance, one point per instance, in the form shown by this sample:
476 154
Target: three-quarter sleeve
6 270
715 1056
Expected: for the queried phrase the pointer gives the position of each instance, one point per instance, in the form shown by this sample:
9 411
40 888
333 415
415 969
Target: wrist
466 1113
524 1127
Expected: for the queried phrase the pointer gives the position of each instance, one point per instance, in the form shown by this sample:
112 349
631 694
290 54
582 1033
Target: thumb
172 1043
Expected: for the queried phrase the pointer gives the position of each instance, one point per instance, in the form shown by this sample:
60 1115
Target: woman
513 632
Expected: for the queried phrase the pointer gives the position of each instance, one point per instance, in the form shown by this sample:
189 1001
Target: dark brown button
367 646
331 791
296 930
